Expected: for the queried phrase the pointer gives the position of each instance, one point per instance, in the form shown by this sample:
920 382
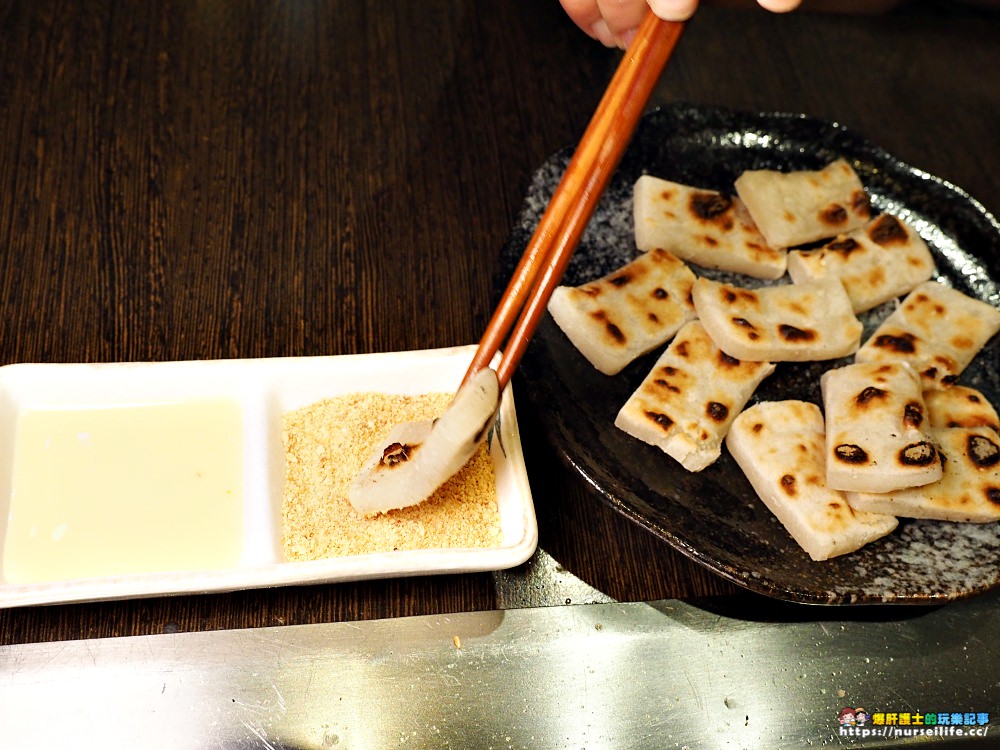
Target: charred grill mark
661 420
860 203
731 295
716 411
946 362
396 454
992 494
615 332
850 454
682 349
788 484
918 454
620 280
887 231
869 394
652 317
845 246
727 361
750 328
758 426
913 415
833 214
982 451
793 334
667 384
902 344
949 379
660 293
710 206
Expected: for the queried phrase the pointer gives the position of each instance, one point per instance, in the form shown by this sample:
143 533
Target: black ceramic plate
714 516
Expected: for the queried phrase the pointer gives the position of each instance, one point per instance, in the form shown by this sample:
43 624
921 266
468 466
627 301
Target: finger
674 10
779 6
603 33
584 13
622 15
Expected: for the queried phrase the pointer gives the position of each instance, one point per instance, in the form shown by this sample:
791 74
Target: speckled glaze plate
714 516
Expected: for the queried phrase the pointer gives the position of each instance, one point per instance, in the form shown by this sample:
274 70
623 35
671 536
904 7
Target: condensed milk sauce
124 490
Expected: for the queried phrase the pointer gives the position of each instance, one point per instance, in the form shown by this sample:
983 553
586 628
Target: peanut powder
326 445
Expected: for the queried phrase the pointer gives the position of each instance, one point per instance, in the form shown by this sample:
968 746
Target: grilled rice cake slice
704 227
876 437
966 430
627 313
811 321
884 259
780 447
960 406
796 208
937 329
968 491
686 403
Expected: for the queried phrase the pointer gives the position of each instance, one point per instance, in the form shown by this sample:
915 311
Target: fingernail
673 10
602 33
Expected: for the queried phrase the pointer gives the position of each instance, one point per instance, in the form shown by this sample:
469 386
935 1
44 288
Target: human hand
614 22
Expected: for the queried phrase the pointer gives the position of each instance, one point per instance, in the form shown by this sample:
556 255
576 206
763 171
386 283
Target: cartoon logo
852 717
857 722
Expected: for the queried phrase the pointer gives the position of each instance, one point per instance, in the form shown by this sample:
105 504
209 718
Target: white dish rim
288 383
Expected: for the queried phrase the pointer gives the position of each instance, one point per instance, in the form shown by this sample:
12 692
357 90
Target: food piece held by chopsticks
627 313
418 457
416 460
705 227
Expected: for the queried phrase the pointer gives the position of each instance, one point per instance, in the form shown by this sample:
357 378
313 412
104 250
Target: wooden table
191 180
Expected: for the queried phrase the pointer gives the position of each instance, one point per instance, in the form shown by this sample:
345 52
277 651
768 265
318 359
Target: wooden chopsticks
575 198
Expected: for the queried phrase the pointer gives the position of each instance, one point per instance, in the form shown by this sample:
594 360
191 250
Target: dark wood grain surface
192 180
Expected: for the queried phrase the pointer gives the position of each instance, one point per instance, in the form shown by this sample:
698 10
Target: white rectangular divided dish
265 390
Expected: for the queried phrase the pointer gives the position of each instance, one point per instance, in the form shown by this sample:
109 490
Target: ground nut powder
326 444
